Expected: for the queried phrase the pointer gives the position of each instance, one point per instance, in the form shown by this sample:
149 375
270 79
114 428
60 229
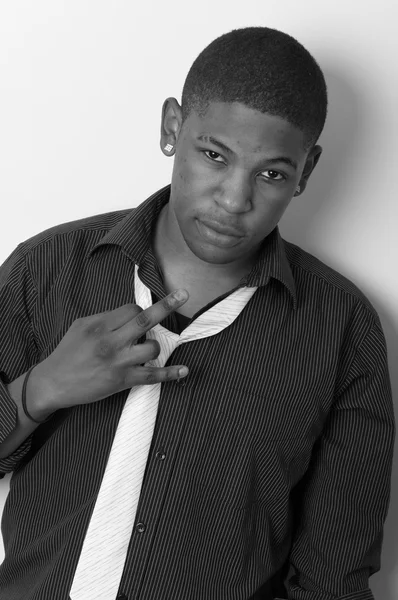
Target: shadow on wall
323 201
304 223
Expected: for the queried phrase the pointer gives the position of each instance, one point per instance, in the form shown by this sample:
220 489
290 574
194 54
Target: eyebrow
212 140
272 161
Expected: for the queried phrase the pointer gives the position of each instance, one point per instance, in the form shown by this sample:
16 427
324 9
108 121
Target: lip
219 228
216 238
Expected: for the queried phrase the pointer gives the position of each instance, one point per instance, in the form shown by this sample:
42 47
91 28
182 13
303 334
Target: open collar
134 232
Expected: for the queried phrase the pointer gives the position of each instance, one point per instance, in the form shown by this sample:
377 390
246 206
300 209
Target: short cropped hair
264 69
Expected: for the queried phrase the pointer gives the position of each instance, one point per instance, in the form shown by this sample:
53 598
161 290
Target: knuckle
151 376
94 328
142 319
104 349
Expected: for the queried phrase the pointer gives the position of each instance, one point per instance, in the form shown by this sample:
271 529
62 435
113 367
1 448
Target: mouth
218 237
224 229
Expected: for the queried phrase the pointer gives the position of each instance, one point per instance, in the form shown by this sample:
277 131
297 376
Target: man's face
234 168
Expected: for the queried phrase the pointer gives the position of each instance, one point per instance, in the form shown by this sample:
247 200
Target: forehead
245 129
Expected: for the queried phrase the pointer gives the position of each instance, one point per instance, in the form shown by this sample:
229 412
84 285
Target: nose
234 192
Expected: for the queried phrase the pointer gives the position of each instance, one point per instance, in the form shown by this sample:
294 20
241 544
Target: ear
170 126
310 164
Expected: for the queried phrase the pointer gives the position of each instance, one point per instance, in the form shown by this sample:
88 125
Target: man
135 480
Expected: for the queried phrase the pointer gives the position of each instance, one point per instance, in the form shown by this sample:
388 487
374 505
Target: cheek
190 177
276 207
268 213
186 190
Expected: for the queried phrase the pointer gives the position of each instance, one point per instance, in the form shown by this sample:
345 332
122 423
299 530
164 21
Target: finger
146 319
114 319
151 375
142 353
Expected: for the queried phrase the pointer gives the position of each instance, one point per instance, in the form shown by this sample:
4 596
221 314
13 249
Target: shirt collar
134 234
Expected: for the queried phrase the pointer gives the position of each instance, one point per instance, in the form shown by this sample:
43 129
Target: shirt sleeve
18 350
342 502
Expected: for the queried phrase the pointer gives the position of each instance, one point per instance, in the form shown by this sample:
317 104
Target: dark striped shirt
271 462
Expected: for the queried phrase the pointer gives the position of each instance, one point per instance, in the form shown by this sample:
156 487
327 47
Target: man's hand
99 356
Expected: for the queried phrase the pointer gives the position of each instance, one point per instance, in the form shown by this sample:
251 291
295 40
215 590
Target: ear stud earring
168 147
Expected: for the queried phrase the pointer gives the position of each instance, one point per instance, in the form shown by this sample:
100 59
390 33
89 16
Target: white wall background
81 88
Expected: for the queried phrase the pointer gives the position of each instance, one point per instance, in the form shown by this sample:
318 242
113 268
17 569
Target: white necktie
104 550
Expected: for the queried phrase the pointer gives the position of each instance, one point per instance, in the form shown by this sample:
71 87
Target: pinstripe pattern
101 562
275 450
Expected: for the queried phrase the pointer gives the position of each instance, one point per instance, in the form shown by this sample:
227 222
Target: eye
214 156
273 175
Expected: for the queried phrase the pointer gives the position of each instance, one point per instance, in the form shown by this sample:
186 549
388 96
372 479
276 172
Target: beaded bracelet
24 398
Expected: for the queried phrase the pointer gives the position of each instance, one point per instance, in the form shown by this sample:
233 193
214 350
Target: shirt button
182 381
160 455
121 597
140 527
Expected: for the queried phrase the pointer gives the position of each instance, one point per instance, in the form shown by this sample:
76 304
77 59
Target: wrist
39 395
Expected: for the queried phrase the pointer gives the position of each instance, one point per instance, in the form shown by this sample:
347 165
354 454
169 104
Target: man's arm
24 427
98 356
342 502
18 352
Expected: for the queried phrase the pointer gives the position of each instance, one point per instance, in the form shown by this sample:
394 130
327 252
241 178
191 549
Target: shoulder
327 286
88 229
65 246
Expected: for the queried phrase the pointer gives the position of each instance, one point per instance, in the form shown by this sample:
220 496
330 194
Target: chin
212 254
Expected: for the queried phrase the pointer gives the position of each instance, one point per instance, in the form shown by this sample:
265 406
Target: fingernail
180 295
183 372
